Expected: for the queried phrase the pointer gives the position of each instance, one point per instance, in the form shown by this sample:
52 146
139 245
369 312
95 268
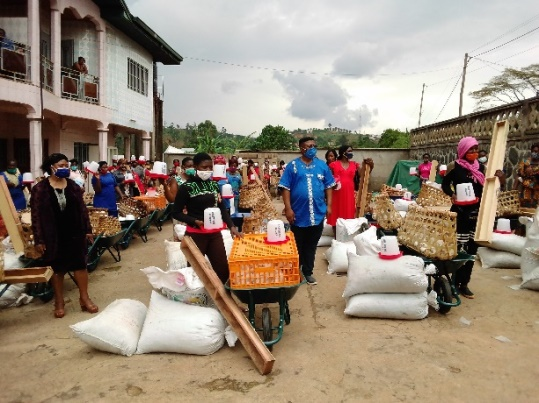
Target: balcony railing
14 60
47 69
79 86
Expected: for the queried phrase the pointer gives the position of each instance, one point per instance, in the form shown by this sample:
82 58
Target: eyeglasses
307 147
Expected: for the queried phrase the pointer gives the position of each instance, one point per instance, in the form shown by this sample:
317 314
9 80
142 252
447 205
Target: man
80 65
306 186
5 43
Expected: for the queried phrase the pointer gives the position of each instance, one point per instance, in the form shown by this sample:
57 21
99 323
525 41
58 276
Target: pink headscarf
464 145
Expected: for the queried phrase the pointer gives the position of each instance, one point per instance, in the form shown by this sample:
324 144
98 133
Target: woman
14 183
106 189
528 179
467 169
234 178
61 226
423 170
331 156
76 174
185 170
343 203
194 196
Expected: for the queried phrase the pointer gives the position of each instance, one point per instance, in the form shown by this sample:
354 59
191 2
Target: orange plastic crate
153 202
253 263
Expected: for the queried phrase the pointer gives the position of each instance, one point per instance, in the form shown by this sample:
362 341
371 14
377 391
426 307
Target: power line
447 100
505 43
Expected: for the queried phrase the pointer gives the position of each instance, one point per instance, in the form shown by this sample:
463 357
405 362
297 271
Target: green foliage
275 138
511 86
393 138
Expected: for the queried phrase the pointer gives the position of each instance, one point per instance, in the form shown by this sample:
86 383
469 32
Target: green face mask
190 171
11 171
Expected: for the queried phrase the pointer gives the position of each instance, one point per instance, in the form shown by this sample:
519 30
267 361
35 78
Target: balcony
15 61
47 71
79 86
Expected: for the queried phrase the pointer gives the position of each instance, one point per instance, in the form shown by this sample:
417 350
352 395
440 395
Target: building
46 106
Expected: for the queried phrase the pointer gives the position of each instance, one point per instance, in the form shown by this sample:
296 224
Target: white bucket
129 176
133 158
85 164
151 192
443 169
115 157
407 195
465 192
240 160
219 172
504 225
142 158
398 186
276 232
159 168
413 170
27 177
213 218
226 191
93 167
390 246
129 217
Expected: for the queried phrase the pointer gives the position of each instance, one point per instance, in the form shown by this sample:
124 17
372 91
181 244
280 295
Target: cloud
361 59
323 99
230 87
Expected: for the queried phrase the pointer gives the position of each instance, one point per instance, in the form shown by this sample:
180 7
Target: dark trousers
307 241
213 246
466 223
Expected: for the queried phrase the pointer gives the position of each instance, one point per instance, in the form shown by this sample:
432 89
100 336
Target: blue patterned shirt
307 184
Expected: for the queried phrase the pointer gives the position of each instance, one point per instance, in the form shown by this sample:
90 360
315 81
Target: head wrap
464 145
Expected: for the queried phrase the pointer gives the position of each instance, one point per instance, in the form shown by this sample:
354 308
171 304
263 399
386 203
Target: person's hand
97 176
290 216
40 248
90 237
453 198
328 211
369 162
234 232
199 223
501 175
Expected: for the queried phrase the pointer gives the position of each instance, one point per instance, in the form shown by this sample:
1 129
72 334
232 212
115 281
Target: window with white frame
137 77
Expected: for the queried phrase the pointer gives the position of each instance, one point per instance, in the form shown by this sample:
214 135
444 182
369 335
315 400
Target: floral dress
529 187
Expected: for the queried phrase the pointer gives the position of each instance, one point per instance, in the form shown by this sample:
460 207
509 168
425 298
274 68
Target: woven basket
250 195
131 206
432 233
429 196
508 204
106 226
391 191
28 235
386 215
252 224
88 198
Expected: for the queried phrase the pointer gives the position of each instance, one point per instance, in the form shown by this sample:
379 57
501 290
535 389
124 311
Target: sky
354 64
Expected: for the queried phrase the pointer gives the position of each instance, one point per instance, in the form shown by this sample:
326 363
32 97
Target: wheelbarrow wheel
267 332
443 289
286 315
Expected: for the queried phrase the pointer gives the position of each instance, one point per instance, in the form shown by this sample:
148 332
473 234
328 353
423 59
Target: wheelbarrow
254 296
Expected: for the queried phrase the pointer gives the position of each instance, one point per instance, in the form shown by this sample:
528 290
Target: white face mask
482 160
204 175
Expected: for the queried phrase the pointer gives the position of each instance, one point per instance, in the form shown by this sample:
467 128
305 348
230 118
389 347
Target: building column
127 146
103 143
33 41
101 40
56 50
146 145
36 146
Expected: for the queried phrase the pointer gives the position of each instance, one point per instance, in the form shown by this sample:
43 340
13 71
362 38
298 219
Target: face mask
74 167
176 164
204 175
349 155
12 171
311 153
472 156
190 171
535 156
104 171
482 160
62 173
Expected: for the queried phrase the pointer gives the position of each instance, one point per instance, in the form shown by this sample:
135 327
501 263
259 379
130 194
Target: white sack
388 306
14 295
325 240
327 229
116 329
508 243
179 231
347 229
529 265
491 258
402 205
338 260
372 275
228 241
367 243
175 257
179 328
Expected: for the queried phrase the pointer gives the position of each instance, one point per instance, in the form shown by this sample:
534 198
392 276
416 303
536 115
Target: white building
46 106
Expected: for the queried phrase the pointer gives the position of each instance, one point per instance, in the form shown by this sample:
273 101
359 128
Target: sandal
88 306
59 312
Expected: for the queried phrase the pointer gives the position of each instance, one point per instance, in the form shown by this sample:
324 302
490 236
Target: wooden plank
11 218
433 171
244 177
361 200
489 199
250 340
28 275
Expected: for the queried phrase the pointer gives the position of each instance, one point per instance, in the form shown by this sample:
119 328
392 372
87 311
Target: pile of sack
504 252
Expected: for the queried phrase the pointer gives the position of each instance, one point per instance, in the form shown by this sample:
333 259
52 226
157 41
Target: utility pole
421 106
463 80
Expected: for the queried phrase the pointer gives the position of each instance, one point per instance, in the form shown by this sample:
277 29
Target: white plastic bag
179 328
347 229
175 257
14 296
338 260
372 275
388 306
491 258
116 329
367 243
402 205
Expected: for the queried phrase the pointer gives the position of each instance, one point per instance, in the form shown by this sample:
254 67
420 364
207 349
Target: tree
511 86
393 138
208 138
275 138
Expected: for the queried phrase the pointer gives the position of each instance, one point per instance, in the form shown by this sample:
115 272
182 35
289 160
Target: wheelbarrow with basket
263 273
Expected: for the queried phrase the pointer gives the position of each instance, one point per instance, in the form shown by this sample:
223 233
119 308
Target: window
137 77
81 152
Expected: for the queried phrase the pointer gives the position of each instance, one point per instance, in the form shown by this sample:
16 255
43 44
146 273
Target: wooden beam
11 218
361 200
489 199
28 275
250 340
433 171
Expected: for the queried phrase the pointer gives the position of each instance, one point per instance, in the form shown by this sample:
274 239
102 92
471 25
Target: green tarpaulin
401 174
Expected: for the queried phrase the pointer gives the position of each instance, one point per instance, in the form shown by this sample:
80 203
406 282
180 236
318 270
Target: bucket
465 192
129 176
159 168
443 169
275 230
413 170
398 186
503 226
93 167
213 218
226 191
219 172
151 192
27 177
389 247
407 196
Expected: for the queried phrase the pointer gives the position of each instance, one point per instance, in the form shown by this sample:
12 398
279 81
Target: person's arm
329 197
96 183
182 197
289 213
446 183
171 188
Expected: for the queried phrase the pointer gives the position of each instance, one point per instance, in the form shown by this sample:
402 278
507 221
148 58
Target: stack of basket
30 251
104 224
134 207
392 192
385 214
254 197
429 196
508 204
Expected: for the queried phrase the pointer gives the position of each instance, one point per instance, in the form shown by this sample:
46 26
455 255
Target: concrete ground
324 356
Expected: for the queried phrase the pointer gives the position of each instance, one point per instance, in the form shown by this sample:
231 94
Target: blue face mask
311 153
349 155
62 173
